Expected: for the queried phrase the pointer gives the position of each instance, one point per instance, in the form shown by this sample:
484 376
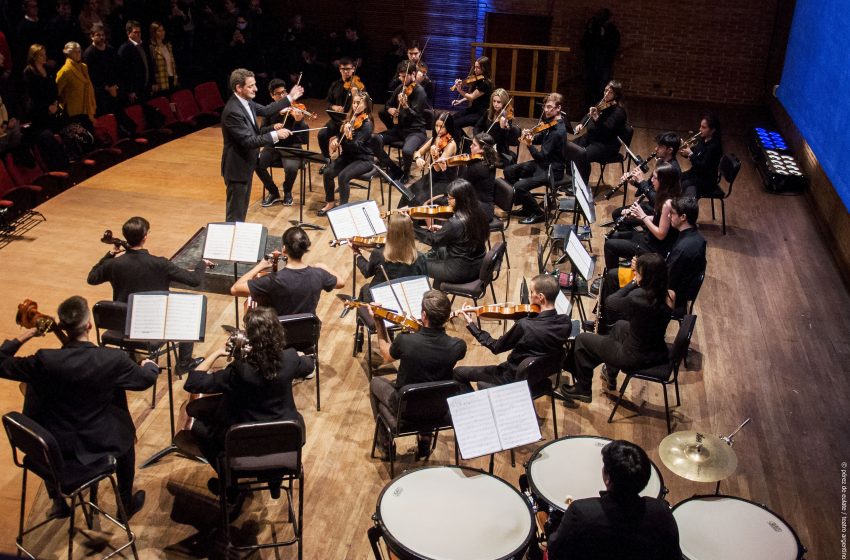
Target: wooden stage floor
772 343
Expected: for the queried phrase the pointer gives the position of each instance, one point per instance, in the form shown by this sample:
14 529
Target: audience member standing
137 66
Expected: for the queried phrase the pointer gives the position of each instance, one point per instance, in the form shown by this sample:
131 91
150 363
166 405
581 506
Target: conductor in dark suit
243 138
77 394
619 523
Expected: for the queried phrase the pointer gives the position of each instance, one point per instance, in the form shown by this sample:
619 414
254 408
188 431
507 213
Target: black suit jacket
243 138
139 271
603 528
77 394
137 76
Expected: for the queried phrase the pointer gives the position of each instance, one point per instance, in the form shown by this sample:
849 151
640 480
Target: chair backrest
22 174
302 331
628 134
682 341
259 446
503 196
109 316
6 182
163 107
208 97
537 368
42 452
729 167
106 128
492 264
423 406
136 114
184 104
375 144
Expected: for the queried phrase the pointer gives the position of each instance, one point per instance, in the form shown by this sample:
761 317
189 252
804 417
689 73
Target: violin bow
499 116
298 83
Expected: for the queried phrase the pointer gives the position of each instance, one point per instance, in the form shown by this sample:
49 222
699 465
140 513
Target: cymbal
697 456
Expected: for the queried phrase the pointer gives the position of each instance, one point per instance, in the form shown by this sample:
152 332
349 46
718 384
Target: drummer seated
426 355
620 523
542 335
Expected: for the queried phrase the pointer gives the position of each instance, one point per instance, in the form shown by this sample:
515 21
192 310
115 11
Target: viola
360 242
424 212
301 108
403 321
274 257
528 134
502 311
462 159
355 123
469 80
354 82
28 316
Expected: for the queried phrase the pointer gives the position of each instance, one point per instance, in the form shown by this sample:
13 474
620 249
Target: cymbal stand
730 440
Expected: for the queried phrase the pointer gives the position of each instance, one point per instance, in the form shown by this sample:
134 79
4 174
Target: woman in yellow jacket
164 64
76 91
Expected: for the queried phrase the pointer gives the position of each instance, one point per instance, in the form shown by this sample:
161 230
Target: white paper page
585 201
246 242
383 296
183 318
367 216
148 319
578 183
411 293
473 423
219 241
562 304
342 223
513 410
579 255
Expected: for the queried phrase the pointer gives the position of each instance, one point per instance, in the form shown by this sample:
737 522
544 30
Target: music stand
170 347
303 157
399 187
361 219
582 265
337 117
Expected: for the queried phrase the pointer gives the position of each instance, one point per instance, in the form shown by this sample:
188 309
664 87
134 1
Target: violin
601 106
274 257
353 82
360 242
462 159
28 316
301 108
469 80
110 240
502 311
355 123
528 134
403 321
425 212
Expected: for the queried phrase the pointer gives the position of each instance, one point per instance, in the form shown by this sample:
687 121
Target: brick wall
713 51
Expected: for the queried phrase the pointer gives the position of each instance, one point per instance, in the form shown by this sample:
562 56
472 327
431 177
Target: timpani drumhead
729 528
572 466
454 513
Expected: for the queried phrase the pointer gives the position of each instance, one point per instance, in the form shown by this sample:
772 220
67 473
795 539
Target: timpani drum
453 513
572 467
725 527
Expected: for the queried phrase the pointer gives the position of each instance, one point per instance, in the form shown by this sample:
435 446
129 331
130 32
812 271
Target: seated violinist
475 92
607 120
413 56
353 147
534 173
287 124
426 355
435 176
407 107
498 122
339 100
541 335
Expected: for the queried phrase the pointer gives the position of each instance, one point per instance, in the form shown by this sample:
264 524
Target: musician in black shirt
427 355
339 100
635 342
701 179
482 172
477 97
666 148
499 125
136 270
535 173
288 126
600 142
542 335
408 105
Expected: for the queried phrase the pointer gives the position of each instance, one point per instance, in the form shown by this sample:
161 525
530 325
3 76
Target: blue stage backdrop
815 84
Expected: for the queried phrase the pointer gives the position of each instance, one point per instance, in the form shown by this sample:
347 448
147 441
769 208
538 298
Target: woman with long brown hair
476 94
500 125
162 56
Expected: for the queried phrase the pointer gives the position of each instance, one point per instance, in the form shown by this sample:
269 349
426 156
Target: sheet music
474 426
578 181
585 199
580 257
513 410
562 304
412 293
219 241
350 220
148 319
246 242
183 317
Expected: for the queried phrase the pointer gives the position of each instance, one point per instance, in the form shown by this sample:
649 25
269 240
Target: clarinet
642 165
622 217
600 302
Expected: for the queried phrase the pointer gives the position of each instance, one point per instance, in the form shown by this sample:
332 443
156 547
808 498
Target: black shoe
573 393
610 380
60 509
588 326
270 199
324 167
287 200
533 219
594 287
136 504
186 367
423 447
